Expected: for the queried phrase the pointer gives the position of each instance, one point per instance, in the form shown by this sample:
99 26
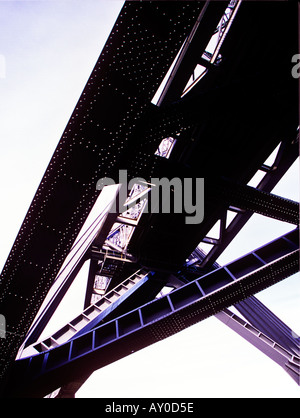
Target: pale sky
47 52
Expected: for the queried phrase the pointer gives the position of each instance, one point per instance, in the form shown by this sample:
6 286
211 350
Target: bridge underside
220 115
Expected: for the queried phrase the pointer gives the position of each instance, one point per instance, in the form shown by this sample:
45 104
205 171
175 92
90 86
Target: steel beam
287 360
259 201
265 320
192 51
114 112
287 154
97 232
95 313
40 374
104 116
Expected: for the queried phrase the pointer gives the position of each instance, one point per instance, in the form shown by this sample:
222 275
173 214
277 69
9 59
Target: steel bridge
185 90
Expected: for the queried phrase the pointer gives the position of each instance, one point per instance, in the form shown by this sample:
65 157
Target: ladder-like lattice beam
158 319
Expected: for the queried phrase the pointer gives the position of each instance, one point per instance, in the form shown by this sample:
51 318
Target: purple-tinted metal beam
287 360
159 319
267 322
287 154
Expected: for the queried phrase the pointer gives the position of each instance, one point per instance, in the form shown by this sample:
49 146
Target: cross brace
159 319
289 362
264 203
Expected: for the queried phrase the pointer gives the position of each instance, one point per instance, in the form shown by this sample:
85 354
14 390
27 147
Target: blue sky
47 52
